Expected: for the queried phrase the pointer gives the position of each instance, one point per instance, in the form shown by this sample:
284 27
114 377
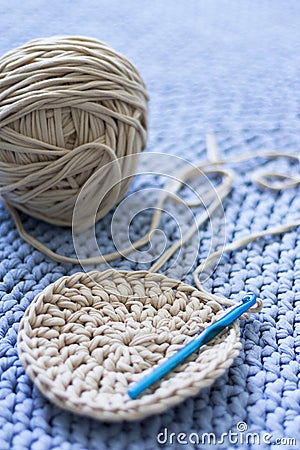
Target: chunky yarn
87 337
68 107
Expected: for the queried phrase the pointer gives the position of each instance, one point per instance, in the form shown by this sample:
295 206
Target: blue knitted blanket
222 66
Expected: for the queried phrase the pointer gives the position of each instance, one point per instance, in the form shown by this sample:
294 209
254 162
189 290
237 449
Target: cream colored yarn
88 336
68 106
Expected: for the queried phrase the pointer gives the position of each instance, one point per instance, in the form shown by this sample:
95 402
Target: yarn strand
221 192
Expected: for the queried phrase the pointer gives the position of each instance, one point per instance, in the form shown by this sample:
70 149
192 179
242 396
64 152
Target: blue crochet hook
202 338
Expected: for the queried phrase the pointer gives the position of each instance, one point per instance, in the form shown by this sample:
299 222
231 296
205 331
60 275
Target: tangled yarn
68 107
88 336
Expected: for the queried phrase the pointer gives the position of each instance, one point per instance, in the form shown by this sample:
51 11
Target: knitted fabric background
223 66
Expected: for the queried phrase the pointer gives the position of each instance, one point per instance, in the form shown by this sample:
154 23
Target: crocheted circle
68 107
87 337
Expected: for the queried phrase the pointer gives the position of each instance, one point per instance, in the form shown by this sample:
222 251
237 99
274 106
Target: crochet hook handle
202 338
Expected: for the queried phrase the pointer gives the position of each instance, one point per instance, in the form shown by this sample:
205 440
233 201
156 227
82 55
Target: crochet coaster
87 337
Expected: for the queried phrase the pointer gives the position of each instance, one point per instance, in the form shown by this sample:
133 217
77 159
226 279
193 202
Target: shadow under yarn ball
68 107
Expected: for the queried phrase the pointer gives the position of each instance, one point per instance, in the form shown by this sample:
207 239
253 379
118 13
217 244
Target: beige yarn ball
68 106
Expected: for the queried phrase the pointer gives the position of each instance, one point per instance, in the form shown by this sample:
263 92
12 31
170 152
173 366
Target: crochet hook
201 339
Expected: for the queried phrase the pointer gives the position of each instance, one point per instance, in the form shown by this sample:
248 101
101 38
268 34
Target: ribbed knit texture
222 66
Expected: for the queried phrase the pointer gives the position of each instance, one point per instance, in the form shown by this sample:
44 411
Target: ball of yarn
68 106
